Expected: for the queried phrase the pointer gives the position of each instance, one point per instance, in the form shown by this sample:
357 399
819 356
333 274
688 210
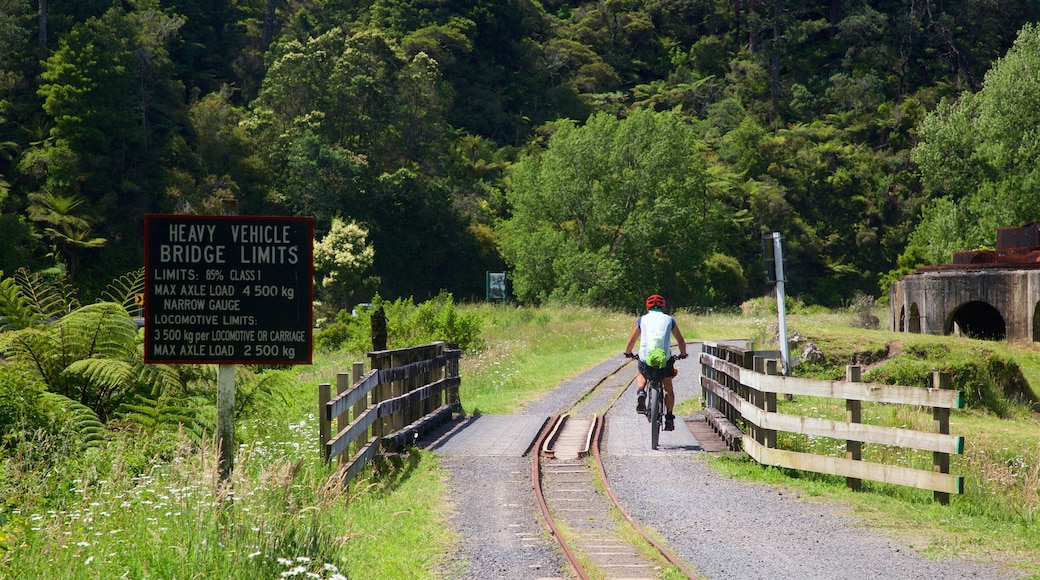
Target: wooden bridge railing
408 392
741 386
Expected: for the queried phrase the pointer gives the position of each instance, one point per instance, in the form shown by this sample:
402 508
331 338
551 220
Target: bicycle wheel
654 405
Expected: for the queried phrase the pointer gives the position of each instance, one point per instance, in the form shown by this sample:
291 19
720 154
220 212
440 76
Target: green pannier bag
657 358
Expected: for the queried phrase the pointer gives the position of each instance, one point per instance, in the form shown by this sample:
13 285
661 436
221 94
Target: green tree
69 233
610 212
341 260
112 107
977 157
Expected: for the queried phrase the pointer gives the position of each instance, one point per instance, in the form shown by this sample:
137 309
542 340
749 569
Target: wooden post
324 425
754 396
706 371
343 420
357 370
225 420
941 461
452 371
853 414
769 438
396 389
380 361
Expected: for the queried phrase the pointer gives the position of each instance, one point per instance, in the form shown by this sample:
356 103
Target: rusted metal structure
988 294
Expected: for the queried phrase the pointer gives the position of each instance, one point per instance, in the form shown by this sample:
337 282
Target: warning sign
228 289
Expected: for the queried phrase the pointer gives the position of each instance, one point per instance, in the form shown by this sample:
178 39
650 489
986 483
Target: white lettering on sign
185 254
269 254
260 234
228 290
188 233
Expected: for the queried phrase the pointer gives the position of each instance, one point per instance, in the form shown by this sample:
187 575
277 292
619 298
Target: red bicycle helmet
655 301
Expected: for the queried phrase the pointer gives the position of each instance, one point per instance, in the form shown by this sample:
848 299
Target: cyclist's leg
640 387
669 395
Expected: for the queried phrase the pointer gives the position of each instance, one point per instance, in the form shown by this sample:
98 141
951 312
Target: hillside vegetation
580 146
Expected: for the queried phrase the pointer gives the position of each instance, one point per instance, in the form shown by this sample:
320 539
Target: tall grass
532 350
175 520
151 506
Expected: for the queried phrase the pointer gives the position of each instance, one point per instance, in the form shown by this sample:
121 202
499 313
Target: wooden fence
406 393
740 388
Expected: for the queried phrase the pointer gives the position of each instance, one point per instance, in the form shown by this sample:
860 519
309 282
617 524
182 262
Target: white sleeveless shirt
655 331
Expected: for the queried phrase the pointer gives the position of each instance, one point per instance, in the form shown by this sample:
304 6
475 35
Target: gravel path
723 528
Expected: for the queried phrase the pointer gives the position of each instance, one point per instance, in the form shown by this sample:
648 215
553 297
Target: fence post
357 370
754 396
706 371
343 420
324 396
853 414
380 361
941 461
769 435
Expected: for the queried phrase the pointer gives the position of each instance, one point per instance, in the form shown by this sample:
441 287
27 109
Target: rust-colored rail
665 552
543 444
536 479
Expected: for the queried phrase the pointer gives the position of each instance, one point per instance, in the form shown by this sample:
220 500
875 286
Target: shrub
862 309
406 324
21 404
989 382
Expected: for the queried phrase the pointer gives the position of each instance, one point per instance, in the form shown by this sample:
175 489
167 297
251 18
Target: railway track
595 533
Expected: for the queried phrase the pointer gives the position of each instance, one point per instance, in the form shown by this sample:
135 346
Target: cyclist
654 331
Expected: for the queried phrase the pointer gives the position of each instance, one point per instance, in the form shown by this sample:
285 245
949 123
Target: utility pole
773 254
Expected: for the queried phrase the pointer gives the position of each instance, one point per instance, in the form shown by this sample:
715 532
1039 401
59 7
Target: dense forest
596 151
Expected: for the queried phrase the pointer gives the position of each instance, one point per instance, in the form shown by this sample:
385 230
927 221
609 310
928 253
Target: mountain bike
655 409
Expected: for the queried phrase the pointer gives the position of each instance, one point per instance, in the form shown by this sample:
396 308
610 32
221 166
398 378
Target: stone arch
976 319
1036 322
901 322
914 322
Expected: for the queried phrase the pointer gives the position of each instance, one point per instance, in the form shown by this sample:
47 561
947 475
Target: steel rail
536 480
661 549
595 436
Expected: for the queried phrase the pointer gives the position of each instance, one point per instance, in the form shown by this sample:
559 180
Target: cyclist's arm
632 339
679 340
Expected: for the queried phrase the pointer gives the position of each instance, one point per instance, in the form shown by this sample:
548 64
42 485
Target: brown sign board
228 289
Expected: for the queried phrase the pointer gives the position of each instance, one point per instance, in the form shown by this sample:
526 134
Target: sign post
228 290
773 255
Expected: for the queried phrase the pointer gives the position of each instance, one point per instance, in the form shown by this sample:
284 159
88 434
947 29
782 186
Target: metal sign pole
226 419
785 355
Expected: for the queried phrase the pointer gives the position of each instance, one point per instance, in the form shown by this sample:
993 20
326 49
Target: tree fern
79 418
93 354
262 392
28 299
167 414
47 298
125 289
15 312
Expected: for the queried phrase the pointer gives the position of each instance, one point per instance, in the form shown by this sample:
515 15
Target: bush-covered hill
825 121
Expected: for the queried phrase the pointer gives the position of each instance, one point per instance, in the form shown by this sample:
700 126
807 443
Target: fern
80 418
260 392
15 311
125 289
47 299
92 354
166 414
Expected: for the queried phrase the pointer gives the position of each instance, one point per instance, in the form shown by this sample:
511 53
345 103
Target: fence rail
408 392
740 388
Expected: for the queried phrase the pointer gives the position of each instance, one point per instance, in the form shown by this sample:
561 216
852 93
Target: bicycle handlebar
634 355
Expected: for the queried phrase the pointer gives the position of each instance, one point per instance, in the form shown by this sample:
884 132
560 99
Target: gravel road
723 528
